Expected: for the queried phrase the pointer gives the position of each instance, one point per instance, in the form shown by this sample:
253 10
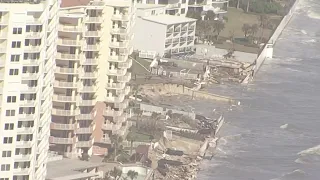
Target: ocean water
275 133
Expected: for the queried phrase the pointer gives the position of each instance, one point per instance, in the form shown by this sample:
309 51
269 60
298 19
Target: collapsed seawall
267 51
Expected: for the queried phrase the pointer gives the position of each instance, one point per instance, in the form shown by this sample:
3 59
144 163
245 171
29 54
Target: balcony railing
116 85
92 34
114 99
63 98
116 72
87 61
30 76
84 143
125 65
124 91
119 44
173 6
84 117
61 70
65 56
56 140
33 21
125 78
26 117
86 102
32 49
87 130
62 84
68 42
62 112
82 88
58 126
118 58
91 47
111 127
122 105
25 130
120 30
33 35
120 17
24 144
88 75
66 28
28 103
31 62
93 20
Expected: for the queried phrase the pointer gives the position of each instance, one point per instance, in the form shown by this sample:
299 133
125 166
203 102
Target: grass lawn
236 19
137 69
139 136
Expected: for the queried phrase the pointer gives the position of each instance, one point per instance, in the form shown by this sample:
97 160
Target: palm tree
131 137
246 29
264 23
218 26
254 29
132 174
115 141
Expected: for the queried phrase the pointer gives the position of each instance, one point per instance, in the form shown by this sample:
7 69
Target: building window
10 112
184 1
13 72
16 44
17 31
11 99
183 11
7 140
6 153
4 178
153 12
8 126
15 58
5 167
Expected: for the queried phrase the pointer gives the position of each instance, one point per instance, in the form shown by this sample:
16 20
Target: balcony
117 44
2 75
88 61
62 112
33 35
57 126
84 117
3 49
87 89
87 130
115 85
63 84
56 140
125 78
63 98
92 34
67 57
68 42
32 49
26 117
118 58
120 17
28 89
111 127
105 140
25 130
4 20
24 144
120 119
61 70
191 29
65 28
34 21
94 20
116 72
111 112
22 157
174 6
91 47
120 31
88 75
30 76
114 99
124 91
21 171
125 65
168 42
28 103
82 144
81 102
31 62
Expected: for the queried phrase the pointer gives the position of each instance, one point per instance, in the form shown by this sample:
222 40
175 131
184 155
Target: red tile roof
71 3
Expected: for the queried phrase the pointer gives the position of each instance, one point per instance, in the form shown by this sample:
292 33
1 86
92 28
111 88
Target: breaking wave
297 174
311 151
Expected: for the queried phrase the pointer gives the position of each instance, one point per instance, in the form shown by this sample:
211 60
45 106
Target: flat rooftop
149 6
69 169
168 19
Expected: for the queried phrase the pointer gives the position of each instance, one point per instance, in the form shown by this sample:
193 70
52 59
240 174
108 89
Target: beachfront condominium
90 89
166 34
27 49
219 7
172 7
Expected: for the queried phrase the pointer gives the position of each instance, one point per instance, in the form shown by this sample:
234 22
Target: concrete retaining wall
163 111
267 51
180 89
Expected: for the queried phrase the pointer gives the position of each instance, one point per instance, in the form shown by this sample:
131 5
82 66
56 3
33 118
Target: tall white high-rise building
90 89
28 36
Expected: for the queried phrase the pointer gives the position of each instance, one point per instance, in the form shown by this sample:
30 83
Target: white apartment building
219 7
172 7
164 34
92 62
27 49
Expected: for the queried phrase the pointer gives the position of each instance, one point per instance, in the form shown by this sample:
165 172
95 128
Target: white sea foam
311 151
304 32
296 174
284 126
309 41
313 15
